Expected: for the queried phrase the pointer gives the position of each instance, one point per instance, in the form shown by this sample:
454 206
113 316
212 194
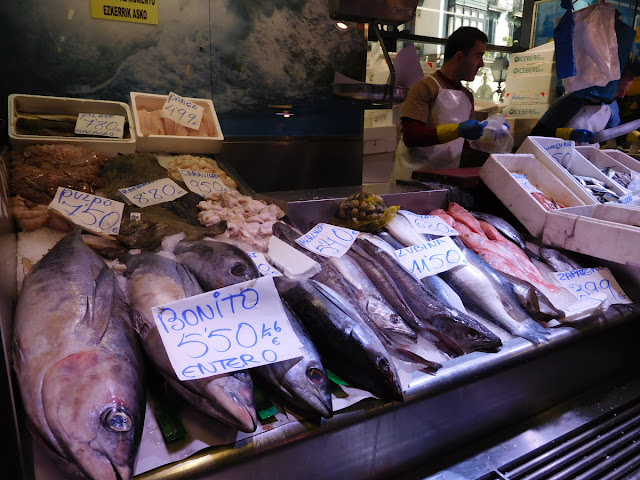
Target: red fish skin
492 232
439 212
463 229
461 214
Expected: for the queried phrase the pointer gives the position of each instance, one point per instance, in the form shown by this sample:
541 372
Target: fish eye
315 375
395 319
116 419
238 269
383 364
472 335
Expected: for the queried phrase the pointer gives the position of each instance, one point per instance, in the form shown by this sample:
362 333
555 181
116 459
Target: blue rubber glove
581 135
471 129
507 125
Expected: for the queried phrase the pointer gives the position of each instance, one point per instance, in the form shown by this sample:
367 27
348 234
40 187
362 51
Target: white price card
588 282
182 111
100 124
233 328
562 152
328 240
429 224
524 182
204 183
265 269
430 258
96 214
152 193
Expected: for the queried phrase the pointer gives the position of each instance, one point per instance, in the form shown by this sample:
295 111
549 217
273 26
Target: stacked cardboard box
530 89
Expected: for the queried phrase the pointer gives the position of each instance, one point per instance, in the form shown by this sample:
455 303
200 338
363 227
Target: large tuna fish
78 363
154 280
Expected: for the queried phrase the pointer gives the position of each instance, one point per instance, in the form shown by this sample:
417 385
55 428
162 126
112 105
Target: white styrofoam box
379 145
622 158
600 159
525 110
374 133
174 143
378 117
376 167
107 146
610 231
580 166
545 68
497 172
528 83
533 56
530 97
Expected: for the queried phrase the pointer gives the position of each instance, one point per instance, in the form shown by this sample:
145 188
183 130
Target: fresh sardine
78 363
154 280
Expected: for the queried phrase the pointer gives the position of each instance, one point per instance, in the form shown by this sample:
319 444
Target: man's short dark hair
463 40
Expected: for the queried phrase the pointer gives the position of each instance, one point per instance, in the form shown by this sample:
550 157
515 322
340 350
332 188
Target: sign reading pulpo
233 328
328 240
182 111
96 214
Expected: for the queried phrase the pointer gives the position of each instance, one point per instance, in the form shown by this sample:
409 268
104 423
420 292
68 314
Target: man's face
472 62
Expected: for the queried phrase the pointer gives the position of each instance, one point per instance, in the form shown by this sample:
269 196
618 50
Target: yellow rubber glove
564 133
633 137
447 132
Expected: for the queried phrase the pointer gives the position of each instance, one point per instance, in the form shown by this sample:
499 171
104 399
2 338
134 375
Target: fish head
399 331
94 404
233 393
307 380
469 338
389 375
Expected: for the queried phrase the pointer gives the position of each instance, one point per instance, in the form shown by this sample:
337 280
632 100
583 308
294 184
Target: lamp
499 70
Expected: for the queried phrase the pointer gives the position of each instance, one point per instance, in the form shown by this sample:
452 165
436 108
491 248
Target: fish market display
348 345
52 124
623 179
248 221
365 212
78 363
547 202
598 189
152 123
557 260
174 163
154 280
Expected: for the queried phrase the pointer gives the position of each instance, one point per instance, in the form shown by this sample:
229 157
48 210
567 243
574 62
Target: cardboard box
610 232
379 145
525 110
497 172
174 143
543 147
518 69
379 132
107 146
541 54
528 83
545 97
378 117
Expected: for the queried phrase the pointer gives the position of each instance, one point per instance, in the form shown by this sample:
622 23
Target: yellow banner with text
137 11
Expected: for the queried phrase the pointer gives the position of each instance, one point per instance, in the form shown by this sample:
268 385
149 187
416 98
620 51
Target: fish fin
98 315
409 356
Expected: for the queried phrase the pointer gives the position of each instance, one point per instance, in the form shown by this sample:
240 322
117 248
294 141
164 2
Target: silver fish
504 227
301 381
216 264
558 260
347 344
78 363
154 280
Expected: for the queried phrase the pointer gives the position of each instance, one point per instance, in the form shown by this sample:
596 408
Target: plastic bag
595 47
496 137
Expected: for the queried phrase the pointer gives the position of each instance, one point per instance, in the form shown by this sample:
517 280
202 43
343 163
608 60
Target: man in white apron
437 113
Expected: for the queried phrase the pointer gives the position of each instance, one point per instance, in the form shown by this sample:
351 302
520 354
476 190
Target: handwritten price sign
260 261
203 183
100 124
328 240
524 182
562 152
152 193
429 224
96 214
430 258
233 328
182 111
588 282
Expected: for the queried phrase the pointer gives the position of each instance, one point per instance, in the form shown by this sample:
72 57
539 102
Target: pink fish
461 215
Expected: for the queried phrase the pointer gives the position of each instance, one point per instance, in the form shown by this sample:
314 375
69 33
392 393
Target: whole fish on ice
78 363
154 280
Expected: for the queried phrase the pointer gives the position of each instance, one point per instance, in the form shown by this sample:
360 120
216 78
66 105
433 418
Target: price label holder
430 258
233 328
204 183
429 224
562 152
592 282
524 182
100 124
152 193
328 240
182 111
97 214
265 269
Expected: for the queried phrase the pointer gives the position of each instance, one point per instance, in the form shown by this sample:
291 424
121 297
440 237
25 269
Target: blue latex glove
507 125
471 129
581 135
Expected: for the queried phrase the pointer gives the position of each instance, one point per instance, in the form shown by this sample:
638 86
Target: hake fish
78 363
348 345
301 381
154 280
